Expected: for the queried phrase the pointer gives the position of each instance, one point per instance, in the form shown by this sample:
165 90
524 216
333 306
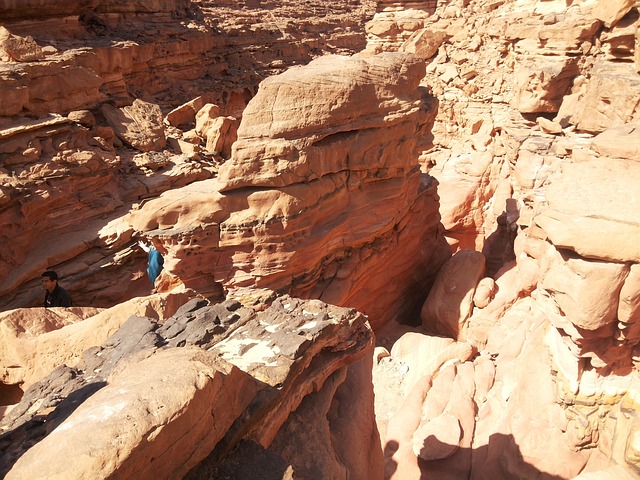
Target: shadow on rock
499 459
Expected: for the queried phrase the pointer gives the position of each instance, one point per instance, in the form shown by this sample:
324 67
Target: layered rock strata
70 76
508 74
322 196
175 398
537 170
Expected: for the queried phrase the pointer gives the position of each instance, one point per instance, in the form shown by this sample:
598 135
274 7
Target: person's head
49 280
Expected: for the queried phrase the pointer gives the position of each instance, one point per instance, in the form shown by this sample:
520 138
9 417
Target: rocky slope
506 129
533 150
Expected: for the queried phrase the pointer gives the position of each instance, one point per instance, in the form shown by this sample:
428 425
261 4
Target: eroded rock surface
59 59
523 151
320 195
523 117
180 395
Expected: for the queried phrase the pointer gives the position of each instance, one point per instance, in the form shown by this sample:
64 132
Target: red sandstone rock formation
57 59
320 196
560 352
531 160
175 399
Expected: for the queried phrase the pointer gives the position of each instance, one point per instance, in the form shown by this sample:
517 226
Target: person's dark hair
51 274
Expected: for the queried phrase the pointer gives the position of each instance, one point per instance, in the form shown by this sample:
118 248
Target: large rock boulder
321 195
293 379
450 302
578 217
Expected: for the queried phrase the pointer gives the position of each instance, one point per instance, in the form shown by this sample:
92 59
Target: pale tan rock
186 113
467 180
424 43
597 110
461 406
636 56
30 357
139 125
298 191
595 218
438 438
542 82
390 28
400 460
205 117
549 126
531 170
450 301
560 31
522 384
611 11
484 377
620 142
507 290
629 306
379 353
14 48
175 426
616 472
484 292
221 135
186 148
425 355
619 42
587 291
33 322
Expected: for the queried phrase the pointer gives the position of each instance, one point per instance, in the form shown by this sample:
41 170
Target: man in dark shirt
55 295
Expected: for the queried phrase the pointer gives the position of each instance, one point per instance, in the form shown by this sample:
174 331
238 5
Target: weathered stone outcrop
543 58
175 398
34 342
558 336
62 182
319 196
156 45
523 118
58 60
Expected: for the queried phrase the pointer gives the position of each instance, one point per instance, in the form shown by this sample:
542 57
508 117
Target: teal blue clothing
155 264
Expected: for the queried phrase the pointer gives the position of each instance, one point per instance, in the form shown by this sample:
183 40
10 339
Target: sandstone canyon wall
534 151
146 58
284 197
350 218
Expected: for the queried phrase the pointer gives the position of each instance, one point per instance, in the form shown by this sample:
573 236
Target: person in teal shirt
155 260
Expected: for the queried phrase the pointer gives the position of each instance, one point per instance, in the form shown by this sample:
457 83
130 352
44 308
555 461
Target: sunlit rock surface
535 162
322 196
182 393
511 123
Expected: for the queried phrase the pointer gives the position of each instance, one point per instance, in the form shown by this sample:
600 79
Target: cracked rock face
188 391
511 123
535 158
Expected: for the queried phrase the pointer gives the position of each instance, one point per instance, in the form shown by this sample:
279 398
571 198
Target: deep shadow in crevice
499 246
499 459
